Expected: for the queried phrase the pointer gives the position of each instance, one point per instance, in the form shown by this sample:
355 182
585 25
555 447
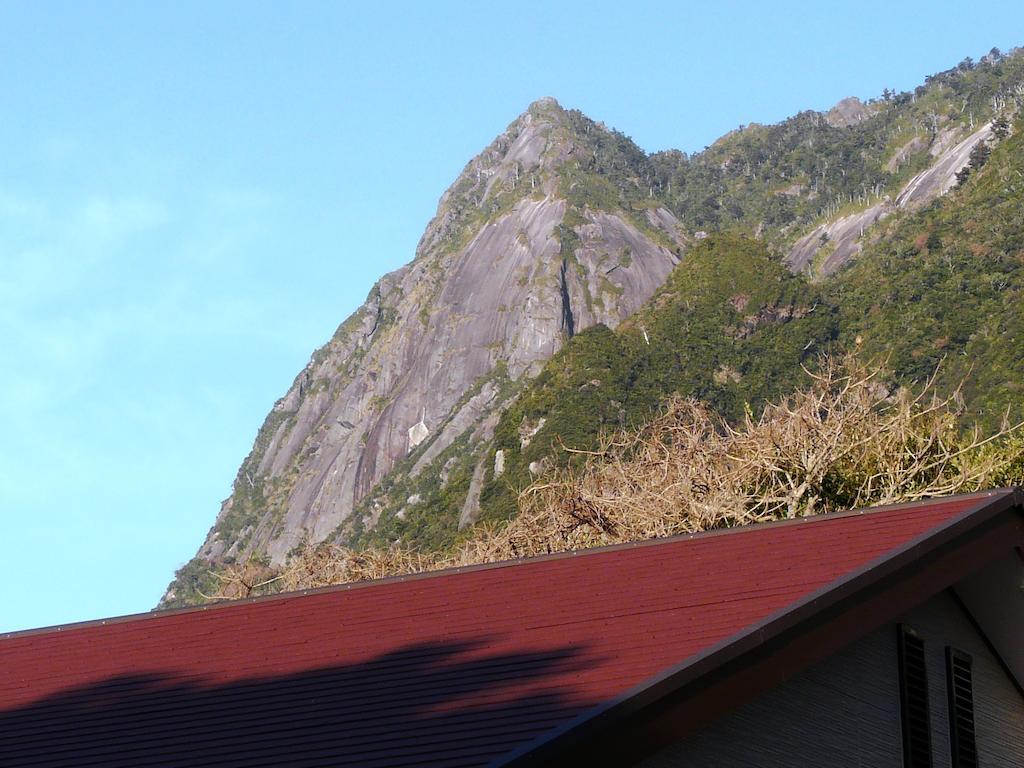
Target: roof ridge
456 570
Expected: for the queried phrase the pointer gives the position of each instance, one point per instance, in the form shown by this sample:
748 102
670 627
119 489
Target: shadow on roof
452 704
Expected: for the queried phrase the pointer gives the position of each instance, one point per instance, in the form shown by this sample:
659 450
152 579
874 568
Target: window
961 709
916 720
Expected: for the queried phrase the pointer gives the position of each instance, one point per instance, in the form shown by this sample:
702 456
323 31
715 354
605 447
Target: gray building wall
845 711
998 705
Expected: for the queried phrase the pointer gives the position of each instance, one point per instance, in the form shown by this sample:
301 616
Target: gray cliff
506 271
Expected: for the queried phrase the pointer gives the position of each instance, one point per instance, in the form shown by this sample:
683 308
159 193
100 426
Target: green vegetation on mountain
775 180
946 286
731 326
780 178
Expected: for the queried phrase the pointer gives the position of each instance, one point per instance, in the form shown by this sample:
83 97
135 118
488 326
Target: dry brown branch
240 580
845 441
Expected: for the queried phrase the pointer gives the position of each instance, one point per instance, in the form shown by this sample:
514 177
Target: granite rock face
496 286
834 243
848 111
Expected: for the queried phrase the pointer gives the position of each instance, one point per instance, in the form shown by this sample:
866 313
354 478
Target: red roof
455 668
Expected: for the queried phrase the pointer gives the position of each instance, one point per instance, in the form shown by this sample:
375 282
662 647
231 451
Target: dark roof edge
443 572
548 746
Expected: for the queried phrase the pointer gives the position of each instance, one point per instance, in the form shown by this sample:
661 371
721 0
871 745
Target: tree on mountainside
1001 127
978 157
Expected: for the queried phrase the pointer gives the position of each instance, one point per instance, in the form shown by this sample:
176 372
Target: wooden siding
845 711
808 720
998 705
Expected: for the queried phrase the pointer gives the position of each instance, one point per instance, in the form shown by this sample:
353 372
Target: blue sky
194 195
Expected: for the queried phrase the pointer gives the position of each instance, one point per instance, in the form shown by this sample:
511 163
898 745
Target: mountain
942 287
813 185
568 283
935 287
529 246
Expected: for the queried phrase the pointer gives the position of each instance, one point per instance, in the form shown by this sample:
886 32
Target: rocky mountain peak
508 269
848 111
544 103
544 111
522 160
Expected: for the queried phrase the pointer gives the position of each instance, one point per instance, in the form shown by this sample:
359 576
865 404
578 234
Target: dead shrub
845 440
